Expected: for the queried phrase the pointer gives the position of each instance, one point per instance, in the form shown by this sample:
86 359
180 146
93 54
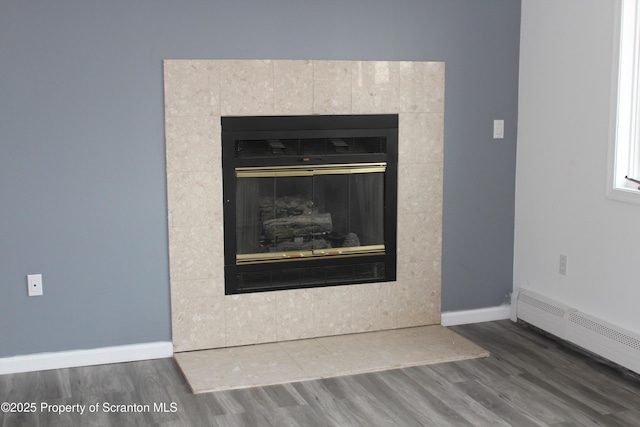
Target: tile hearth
325 357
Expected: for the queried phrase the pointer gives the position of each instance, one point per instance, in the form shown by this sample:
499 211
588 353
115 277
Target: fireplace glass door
309 201
291 213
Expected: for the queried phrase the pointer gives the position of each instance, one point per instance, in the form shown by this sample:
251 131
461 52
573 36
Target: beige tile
265 364
183 290
301 349
410 271
295 310
373 307
207 372
193 198
361 360
343 343
369 351
207 359
197 323
385 340
422 87
421 139
375 86
410 357
246 87
191 88
426 336
250 354
332 310
293 87
332 87
323 366
193 143
250 318
191 253
232 378
419 304
419 238
419 188
269 372
358 352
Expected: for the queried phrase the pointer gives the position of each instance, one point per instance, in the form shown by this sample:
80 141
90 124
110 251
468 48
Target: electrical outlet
498 129
34 283
563 265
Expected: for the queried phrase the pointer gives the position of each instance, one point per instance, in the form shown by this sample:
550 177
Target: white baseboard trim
464 317
76 358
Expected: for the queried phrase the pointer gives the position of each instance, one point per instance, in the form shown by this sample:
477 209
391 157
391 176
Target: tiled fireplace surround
197 93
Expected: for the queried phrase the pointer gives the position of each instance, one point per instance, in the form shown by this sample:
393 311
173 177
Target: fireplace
198 93
309 201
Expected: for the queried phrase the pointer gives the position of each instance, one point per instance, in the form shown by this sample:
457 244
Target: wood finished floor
529 380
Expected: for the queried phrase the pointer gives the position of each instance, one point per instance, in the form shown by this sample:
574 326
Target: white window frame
624 150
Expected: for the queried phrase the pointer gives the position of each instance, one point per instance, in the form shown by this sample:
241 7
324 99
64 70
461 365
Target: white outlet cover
34 283
563 265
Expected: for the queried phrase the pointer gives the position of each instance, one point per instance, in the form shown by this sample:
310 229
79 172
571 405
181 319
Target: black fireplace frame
329 127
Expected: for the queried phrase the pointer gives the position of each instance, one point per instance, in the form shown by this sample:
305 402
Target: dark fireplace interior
309 201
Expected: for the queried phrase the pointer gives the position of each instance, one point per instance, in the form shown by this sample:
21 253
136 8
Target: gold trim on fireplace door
310 170
300 255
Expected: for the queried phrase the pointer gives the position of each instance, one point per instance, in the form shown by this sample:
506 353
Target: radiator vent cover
609 341
543 313
553 309
595 335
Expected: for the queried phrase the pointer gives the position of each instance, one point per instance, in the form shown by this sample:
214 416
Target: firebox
309 201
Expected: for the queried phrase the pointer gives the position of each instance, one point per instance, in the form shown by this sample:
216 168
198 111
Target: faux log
302 246
299 225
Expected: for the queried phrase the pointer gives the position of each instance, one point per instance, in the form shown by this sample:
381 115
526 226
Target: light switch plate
498 129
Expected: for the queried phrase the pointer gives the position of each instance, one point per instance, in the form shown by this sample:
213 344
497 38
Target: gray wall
82 182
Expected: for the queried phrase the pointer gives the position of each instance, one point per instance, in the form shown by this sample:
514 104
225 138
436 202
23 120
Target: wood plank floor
529 380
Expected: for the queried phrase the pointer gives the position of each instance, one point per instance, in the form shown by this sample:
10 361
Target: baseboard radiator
595 335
